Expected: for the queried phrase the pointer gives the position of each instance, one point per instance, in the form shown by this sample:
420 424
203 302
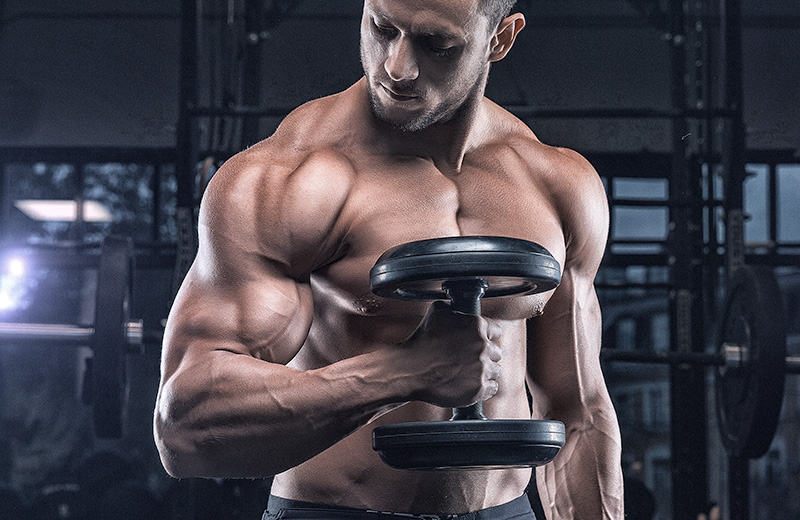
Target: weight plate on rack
749 394
109 387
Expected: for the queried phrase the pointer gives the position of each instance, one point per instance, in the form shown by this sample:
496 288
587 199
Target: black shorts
285 509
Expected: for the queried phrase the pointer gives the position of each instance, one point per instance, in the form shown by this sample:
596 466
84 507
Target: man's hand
455 357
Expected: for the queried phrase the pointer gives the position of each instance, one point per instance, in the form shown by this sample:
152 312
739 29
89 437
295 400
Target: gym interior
115 115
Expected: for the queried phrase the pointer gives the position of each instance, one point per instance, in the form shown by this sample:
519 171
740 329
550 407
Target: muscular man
279 361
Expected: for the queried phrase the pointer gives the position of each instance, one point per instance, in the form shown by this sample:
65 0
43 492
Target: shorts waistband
279 508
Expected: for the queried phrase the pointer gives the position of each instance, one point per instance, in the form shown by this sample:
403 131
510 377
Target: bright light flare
12 283
16 267
6 301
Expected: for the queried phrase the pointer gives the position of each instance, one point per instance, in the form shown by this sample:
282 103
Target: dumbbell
466 269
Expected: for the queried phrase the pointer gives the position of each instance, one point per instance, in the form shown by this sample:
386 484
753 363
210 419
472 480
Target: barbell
751 362
111 338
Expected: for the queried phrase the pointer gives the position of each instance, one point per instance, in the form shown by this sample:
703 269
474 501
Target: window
756 197
659 331
788 195
139 196
625 333
657 416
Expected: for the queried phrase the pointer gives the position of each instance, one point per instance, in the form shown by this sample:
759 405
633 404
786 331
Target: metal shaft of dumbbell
62 334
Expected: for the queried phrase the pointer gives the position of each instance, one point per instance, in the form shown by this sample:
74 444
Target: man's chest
412 200
415 201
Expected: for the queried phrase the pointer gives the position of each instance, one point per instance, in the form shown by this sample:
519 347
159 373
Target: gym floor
91 97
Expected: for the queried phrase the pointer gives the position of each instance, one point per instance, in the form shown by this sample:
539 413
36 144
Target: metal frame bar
734 167
688 417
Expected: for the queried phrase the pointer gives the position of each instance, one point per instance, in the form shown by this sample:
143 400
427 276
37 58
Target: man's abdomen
351 474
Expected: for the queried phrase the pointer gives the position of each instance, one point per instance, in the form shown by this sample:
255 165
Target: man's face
423 59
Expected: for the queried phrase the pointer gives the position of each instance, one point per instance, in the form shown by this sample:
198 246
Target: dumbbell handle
465 296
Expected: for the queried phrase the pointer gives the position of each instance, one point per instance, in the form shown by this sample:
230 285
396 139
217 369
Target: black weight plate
510 266
749 396
468 444
109 367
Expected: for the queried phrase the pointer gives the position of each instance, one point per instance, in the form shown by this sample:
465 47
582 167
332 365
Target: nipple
367 305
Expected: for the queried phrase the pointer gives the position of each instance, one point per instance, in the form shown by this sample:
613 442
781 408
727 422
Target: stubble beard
443 113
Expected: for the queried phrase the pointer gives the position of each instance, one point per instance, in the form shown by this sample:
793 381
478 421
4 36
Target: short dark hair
495 10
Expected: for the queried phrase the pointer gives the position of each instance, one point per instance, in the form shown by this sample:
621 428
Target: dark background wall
95 72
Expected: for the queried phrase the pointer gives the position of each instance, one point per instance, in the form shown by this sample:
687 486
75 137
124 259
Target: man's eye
441 52
384 31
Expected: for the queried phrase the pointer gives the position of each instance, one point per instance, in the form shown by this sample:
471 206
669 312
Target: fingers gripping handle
465 296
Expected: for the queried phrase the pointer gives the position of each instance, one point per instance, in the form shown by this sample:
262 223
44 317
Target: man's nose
401 65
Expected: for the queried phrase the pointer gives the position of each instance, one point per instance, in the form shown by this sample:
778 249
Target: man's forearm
249 419
584 482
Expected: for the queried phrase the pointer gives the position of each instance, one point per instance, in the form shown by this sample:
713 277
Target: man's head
427 61
495 10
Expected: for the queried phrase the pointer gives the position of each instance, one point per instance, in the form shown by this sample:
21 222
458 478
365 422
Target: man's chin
414 125
403 124
401 120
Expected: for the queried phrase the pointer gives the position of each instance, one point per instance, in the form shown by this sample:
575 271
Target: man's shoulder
511 134
563 176
323 123
309 139
282 196
547 163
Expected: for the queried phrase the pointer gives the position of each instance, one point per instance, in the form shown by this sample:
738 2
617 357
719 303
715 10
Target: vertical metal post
687 384
734 170
185 138
78 227
252 70
155 188
738 488
4 205
734 147
185 162
772 207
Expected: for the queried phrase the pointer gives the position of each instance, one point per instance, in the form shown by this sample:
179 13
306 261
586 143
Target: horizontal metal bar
69 335
518 110
45 333
662 357
86 155
618 113
793 364
557 21
668 357
625 285
239 111
648 203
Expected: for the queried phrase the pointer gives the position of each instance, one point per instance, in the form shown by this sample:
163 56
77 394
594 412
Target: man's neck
445 144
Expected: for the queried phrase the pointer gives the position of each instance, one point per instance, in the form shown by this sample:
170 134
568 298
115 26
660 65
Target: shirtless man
279 361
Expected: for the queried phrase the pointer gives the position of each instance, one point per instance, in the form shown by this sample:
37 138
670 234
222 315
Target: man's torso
390 200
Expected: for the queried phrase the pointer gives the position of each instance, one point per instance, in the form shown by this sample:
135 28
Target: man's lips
396 96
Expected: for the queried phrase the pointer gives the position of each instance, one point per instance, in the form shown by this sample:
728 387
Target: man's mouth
398 96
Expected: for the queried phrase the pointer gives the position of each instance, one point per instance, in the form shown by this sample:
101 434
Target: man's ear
505 35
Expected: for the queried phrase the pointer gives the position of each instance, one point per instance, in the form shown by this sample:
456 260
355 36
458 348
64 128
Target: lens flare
16 267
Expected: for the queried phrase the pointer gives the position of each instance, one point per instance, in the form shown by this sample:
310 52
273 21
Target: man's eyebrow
443 35
422 32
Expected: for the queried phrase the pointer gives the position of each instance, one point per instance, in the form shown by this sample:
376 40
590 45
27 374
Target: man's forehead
440 17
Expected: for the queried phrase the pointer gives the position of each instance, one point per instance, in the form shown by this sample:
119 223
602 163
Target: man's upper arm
248 290
564 342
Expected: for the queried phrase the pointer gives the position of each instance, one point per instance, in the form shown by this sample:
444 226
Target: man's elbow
175 448
177 437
